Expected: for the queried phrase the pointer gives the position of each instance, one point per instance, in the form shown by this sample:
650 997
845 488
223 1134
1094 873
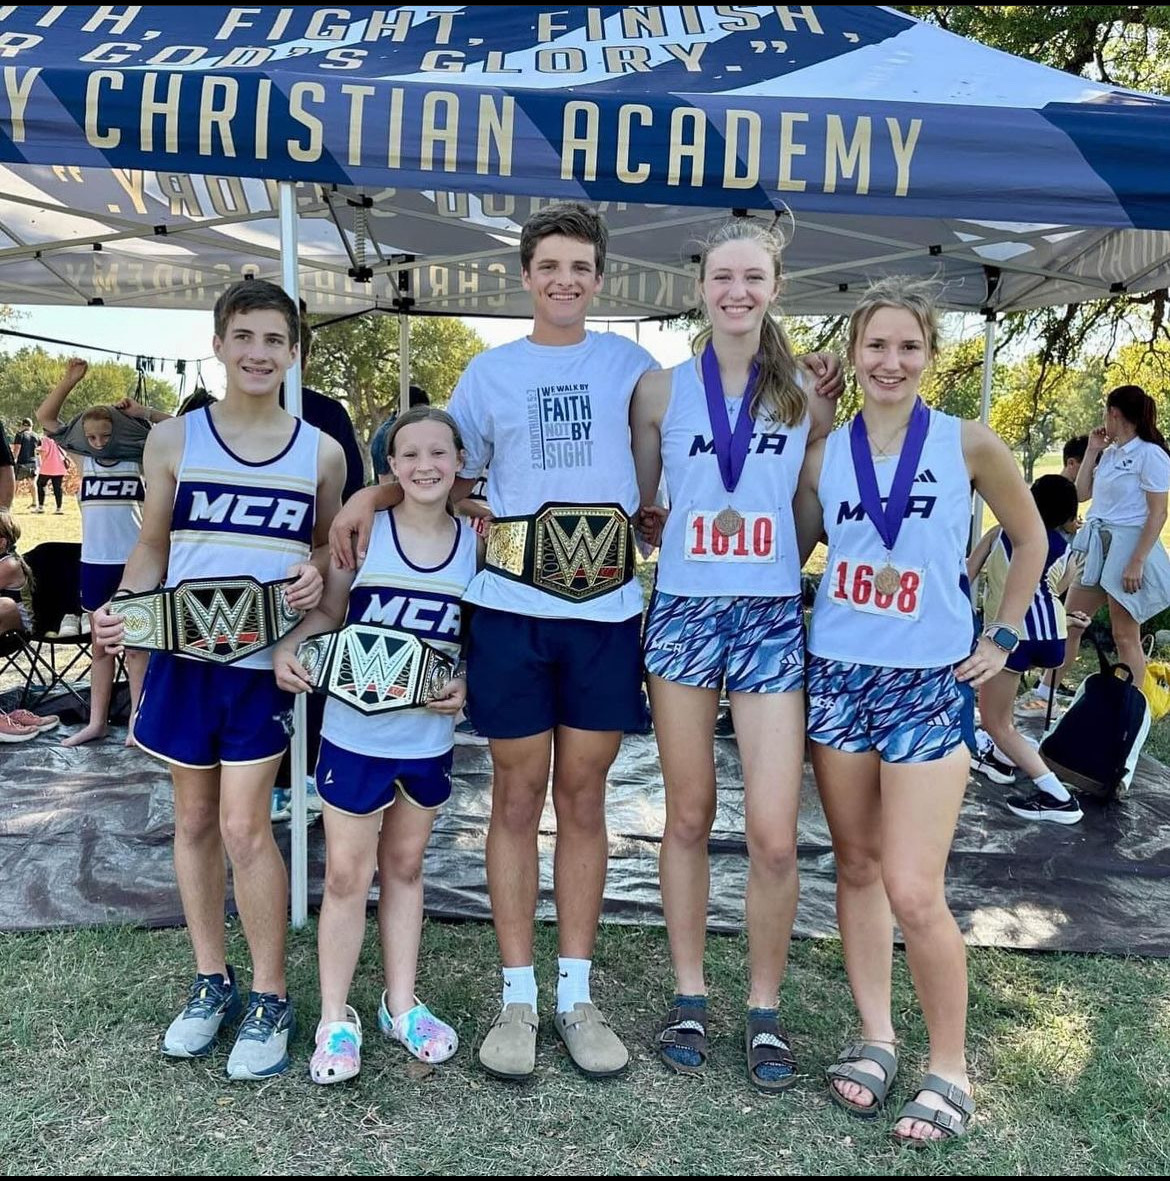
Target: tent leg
299 847
403 363
985 418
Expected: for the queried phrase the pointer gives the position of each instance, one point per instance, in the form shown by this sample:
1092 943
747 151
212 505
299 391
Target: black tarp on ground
85 838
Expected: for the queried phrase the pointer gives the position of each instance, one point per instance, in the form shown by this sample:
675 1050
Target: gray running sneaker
261 1049
211 1001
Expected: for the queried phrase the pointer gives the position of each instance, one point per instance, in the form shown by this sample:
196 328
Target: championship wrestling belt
217 619
576 552
375 669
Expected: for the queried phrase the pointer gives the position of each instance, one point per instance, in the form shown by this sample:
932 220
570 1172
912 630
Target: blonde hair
916 296
100 413
778 390
10 532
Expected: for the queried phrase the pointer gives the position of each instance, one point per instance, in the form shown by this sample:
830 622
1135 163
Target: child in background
111 515
18 725
383 777
52 465
1041 647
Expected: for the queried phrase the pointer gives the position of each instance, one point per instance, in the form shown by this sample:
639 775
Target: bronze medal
728 522
888 580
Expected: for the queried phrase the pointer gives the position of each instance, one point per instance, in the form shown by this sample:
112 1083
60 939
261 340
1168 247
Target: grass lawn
1068 1058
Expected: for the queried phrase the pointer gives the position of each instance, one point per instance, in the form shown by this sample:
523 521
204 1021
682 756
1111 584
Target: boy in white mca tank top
240 489
111 511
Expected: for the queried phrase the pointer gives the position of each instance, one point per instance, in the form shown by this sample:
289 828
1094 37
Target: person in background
1126 474
25 440
7 472
51 470
1073 456
329 415
1042 646
111 512
18 725
1034 703
378 458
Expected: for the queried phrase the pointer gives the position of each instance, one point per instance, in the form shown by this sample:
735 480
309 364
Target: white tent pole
984 415
299 757
403 362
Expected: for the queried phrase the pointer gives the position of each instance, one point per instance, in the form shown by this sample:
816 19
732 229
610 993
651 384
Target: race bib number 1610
753 541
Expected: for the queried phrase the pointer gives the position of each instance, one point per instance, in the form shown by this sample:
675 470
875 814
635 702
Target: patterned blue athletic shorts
753 644
908 715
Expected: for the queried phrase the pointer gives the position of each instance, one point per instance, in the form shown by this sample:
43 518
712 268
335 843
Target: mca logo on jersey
762 443
212 509
110 489
434 616
916 506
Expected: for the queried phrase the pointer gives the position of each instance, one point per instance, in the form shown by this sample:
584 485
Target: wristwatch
1002 636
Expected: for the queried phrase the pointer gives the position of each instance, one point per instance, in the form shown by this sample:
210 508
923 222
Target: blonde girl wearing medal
893 663
729 429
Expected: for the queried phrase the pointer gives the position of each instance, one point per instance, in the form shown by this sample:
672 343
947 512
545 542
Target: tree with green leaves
357 361
27 376
1138 364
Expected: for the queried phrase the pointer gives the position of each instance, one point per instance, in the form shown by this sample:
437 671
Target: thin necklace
883 450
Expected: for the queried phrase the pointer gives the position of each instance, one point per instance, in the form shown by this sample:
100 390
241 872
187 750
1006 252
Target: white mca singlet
928 622
233 517
694 560
111 510
424 601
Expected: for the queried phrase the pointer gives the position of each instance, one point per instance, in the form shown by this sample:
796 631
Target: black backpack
1094 747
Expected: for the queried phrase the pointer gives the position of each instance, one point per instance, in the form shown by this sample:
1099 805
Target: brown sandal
684 1028
767 1045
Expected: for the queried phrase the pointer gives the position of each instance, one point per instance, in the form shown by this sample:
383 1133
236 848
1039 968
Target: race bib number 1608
852 584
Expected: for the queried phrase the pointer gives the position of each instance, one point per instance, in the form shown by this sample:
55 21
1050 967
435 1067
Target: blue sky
187 335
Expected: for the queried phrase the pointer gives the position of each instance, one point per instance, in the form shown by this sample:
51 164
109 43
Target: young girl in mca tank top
384 776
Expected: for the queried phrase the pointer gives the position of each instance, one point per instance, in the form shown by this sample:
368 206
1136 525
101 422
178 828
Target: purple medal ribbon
730 449
888 519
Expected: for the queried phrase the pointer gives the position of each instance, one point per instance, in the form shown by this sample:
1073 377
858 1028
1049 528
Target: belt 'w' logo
221 622
583 553
375 673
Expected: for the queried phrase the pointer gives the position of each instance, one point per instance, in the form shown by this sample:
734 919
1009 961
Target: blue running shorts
526 676
750 644
364 784
198 714
99 580
908 715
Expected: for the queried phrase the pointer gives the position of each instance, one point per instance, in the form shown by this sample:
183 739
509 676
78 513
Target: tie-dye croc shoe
338 1055
420 1031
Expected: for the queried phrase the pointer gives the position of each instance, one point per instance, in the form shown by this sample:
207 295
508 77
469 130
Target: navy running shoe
261 1049
211 1001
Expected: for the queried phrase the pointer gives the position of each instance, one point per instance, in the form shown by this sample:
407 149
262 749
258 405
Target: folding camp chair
55 662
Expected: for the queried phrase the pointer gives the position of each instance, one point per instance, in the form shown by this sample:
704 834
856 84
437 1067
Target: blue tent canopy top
140 149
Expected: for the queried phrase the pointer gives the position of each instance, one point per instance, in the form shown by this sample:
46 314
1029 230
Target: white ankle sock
1050 784
1042 691
519 986
572 983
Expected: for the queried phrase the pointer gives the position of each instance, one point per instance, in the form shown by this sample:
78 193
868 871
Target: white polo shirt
1123 477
